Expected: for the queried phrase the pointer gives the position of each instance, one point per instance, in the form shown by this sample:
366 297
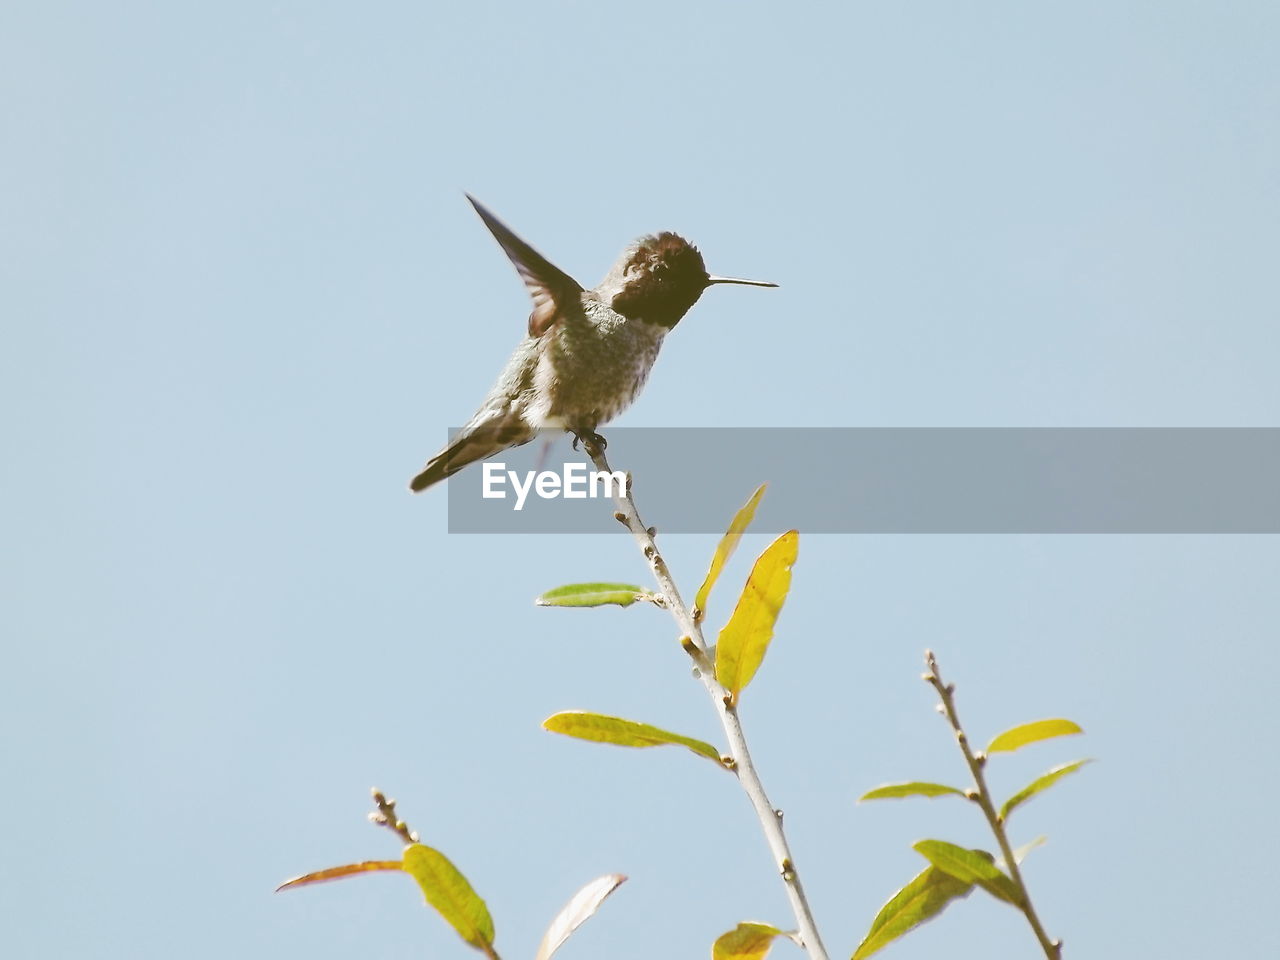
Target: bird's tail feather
467 448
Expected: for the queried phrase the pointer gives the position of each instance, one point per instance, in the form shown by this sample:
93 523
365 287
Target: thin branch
385 816
982 796
694 644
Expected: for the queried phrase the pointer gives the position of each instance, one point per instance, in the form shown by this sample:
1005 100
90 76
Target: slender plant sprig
982 796
385 816
451 894
724 702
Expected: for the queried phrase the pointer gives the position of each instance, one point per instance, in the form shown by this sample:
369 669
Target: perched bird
588 352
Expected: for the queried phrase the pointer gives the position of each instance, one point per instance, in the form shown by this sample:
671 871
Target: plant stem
386 817
1052 948
769 817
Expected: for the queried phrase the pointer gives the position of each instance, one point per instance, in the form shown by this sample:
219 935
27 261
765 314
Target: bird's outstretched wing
549 286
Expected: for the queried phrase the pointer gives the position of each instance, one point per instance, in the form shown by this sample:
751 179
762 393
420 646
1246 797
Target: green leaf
916 788
926 896
724 550
1026 733
622 733
971 866
337 873
591 595
1041 783
448 891
746 941
745 638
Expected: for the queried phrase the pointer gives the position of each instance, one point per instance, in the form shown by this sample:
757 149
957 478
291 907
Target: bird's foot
591 441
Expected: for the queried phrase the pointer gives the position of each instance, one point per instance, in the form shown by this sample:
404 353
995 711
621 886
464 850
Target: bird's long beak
745 283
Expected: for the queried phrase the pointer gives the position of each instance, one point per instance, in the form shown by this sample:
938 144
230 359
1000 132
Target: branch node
701 660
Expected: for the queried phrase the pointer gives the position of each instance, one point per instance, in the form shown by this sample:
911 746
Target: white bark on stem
770 818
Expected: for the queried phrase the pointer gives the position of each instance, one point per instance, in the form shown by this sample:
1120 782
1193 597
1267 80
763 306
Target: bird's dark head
658 278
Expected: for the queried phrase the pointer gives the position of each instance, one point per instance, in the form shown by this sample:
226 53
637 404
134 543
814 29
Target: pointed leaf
745 638
724 550
746 941
622 733
580 908
1026 733
591 595
337 873
926 896
971 866
916 788
1021 853
446 889
1041 783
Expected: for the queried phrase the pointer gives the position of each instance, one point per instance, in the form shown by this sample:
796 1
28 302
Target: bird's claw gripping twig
591 440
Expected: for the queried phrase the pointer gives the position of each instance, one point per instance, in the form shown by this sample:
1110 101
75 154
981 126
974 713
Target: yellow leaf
446 889
623 733
746 941
724 550
1026 733
745 638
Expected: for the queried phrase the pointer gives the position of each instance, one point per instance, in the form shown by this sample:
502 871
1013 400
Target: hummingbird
587 353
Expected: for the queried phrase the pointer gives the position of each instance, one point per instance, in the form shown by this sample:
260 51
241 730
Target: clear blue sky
243 299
